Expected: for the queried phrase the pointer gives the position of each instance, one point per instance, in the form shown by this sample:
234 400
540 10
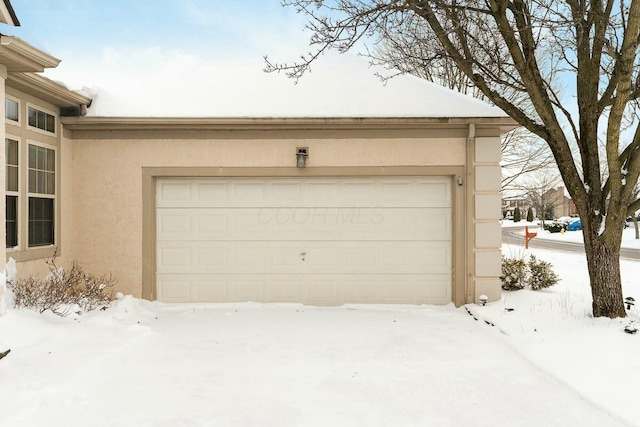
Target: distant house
317 210
509 204
561 202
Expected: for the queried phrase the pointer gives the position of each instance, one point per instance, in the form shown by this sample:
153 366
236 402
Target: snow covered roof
346 88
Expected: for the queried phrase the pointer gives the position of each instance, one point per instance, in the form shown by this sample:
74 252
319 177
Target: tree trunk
604 272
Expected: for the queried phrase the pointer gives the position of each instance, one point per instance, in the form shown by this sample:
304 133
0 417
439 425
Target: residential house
316 210
561 202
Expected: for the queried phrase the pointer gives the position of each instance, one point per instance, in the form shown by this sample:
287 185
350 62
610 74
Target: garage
320 240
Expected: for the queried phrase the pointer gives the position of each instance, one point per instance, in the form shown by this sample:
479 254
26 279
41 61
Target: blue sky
66 28
206 24
205 58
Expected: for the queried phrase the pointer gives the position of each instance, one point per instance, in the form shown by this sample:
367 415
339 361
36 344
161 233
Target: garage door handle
303 255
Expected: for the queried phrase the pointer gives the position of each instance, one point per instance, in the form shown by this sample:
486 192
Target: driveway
151 364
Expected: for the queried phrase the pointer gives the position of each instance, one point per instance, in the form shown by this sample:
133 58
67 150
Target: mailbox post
528 236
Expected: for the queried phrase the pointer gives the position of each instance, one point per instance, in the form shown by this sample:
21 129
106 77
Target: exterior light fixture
302 153
483 299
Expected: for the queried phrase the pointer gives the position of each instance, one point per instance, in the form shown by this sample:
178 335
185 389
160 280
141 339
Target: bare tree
588 48
536 188
408 47
522 154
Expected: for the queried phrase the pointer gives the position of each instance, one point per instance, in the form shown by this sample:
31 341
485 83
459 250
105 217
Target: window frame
14 193
26 135
46 111
8 120
29 195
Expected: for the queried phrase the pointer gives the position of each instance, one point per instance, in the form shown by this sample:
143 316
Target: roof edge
9 15
27 56
49 90
505 124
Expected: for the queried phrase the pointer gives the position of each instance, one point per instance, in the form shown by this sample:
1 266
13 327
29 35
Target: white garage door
309 240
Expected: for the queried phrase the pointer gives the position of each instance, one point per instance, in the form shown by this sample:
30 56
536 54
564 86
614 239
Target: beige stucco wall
101 188
106 182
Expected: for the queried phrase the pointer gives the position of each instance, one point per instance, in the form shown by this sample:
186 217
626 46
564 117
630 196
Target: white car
565 220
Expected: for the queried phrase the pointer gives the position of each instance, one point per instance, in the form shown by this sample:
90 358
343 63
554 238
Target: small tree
516 215
549 211
530 214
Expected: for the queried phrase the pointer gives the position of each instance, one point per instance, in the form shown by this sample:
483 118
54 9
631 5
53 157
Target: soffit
19 56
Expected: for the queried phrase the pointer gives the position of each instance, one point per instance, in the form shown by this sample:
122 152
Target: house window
11 109
11 191
41 120
42 183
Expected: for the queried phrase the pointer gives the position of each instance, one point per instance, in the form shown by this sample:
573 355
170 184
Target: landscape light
629 301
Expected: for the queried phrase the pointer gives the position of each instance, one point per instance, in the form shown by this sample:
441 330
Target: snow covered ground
546 362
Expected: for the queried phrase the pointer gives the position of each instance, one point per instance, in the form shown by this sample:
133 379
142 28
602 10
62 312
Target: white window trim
44 110
41 196
17 193
12 122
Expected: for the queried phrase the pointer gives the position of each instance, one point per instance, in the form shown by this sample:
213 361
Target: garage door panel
211 222
310 258
287 192
332 289
174 288
211 193
404 289
208 256
175 192
190 224
174 223
174 258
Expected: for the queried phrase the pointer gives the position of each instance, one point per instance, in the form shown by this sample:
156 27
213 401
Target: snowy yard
545 363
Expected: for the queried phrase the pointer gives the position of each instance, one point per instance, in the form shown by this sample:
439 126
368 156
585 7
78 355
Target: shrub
553 227
537 274
530 215
516 215
63 289
541 274
514 273
549 211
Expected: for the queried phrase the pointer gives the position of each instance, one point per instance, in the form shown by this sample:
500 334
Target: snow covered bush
514 273
541 274
518 273
553 227
63 290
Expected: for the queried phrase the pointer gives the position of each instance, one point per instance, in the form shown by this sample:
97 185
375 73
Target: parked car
565 220
574 225
629 221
